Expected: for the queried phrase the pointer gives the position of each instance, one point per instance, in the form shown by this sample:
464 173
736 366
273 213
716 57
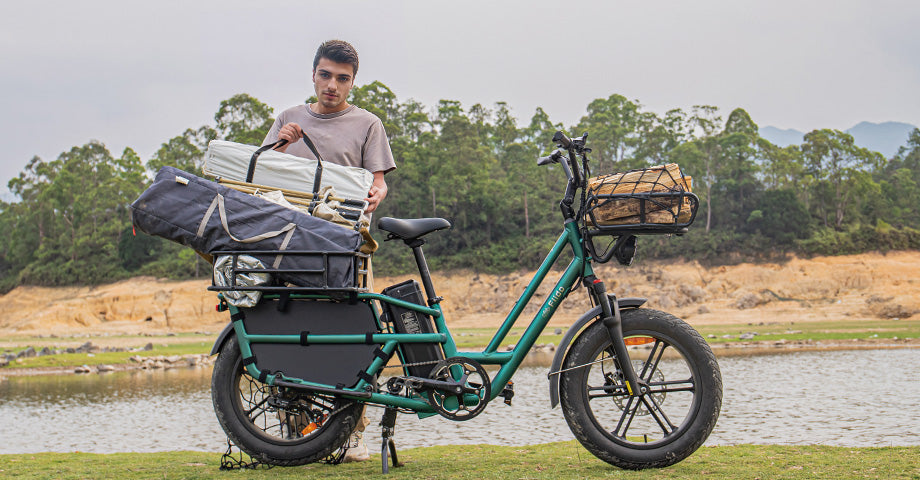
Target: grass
817 331
77 359
550 461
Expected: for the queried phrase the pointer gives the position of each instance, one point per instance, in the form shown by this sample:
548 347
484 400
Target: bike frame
578 269
580 266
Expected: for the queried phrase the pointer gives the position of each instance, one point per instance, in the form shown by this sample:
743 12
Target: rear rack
299 280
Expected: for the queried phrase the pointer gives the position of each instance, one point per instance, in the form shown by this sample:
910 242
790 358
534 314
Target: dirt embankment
868 286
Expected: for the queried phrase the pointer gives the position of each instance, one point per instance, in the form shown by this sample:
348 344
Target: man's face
332 82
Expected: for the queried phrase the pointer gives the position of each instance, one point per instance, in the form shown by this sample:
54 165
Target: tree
612 124
88 192
243 119
737 169
701 154
185 152
834 160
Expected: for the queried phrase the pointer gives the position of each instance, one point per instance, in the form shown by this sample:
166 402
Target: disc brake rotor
622 401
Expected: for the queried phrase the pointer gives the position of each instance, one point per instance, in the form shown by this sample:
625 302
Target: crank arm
440 385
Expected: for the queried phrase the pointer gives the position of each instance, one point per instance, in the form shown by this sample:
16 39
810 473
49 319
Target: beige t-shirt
353 137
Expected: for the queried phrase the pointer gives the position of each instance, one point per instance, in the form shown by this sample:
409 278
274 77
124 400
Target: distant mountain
885 138
782 138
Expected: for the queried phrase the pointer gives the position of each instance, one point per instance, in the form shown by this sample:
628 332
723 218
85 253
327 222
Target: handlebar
564 141
552 158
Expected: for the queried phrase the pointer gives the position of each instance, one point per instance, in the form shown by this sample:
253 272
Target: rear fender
583 322
222 339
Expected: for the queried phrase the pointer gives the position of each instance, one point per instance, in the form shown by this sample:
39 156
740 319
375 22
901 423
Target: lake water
849 398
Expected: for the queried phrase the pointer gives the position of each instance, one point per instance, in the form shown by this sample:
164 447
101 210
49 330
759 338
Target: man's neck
318 108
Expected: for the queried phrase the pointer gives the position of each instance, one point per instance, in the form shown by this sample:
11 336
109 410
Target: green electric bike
638 387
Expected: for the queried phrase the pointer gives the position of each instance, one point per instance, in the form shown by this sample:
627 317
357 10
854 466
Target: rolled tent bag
210 217
264 166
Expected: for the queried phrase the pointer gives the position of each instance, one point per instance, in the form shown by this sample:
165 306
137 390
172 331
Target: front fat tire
694 418
274 449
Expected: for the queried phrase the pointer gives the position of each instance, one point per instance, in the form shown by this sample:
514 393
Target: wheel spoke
654 357
257 406
629 413
658 414
618 391
672 386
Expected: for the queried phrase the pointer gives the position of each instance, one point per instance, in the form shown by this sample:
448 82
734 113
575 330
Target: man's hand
377 192
290 132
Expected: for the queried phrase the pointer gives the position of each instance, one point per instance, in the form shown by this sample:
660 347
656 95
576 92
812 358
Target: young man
342 133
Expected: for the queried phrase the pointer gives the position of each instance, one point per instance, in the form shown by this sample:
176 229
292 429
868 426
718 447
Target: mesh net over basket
655 199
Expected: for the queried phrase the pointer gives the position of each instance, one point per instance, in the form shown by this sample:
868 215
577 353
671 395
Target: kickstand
388 422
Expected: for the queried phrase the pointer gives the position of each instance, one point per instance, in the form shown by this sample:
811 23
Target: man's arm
377 192
290 132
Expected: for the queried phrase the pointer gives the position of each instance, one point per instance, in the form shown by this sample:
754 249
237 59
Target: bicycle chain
416 364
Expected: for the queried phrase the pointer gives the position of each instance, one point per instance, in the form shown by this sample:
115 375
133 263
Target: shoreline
540 355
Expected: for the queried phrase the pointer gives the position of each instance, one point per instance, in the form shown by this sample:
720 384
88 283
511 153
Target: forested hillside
476 166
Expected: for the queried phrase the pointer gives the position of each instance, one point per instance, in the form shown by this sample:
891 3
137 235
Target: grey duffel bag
210 217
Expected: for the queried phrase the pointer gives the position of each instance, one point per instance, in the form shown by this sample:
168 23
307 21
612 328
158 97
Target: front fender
573 331
222 338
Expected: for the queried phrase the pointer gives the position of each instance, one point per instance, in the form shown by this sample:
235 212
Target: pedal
508 393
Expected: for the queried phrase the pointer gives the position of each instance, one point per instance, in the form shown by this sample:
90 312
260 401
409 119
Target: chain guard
476 385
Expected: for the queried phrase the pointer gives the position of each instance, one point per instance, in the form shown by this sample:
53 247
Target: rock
173 359
747 336
748 300
557 331
82 369
703 309
148 347
105 368
137 359
28 352
710 336
4 362
45 351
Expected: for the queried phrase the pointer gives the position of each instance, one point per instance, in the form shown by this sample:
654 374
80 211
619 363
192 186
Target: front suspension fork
614 324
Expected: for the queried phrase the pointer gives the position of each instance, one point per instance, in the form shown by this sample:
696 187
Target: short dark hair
338 51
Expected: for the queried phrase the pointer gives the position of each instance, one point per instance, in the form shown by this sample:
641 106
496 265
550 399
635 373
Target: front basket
654 200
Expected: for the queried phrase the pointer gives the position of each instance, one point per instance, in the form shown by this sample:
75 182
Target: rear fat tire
689 415
230 385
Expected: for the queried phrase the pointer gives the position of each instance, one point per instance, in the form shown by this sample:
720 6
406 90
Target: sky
135 74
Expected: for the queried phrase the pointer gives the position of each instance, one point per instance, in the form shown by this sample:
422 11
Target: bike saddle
408 229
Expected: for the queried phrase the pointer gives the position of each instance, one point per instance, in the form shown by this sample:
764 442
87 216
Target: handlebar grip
551 158
562 140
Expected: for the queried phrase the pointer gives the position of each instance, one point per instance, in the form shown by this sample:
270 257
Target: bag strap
317 178
218 204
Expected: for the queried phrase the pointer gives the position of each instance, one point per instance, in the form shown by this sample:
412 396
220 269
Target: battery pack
410 321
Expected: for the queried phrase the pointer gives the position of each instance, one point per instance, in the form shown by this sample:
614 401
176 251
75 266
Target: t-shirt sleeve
377 156
272 135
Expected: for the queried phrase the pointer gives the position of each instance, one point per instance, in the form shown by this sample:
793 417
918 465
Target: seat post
424 272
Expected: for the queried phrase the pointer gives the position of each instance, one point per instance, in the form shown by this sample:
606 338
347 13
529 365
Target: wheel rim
663 412
279 415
